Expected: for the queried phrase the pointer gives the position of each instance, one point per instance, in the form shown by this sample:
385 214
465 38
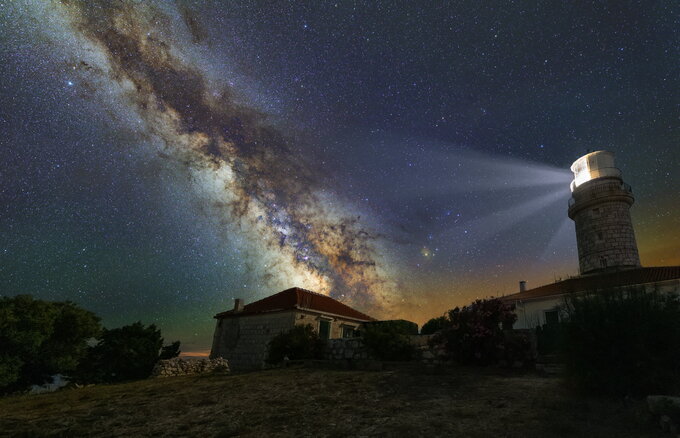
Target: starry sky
159 159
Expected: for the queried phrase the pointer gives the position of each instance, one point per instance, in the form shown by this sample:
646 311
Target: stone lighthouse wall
600 209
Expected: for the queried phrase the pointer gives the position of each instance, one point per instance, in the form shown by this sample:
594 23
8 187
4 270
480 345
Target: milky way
257 181
160 158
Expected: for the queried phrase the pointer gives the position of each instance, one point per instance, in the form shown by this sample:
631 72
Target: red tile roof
600 281
298 298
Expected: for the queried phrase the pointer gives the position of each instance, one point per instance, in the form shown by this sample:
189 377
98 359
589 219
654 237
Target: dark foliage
474 334
623 342
549 338
398 325
300 342
388 340
40 338
434 325
125 353
514 348
170 351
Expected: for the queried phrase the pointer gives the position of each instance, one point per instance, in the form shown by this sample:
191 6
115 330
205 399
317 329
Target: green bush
388 340
300 342
623 342
40 338
474 334
125 353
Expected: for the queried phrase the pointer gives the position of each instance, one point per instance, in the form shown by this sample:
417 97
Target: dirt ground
308 402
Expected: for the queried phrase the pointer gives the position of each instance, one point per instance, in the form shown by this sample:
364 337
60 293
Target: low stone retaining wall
179 366
352 353
353 350
346 349
430 355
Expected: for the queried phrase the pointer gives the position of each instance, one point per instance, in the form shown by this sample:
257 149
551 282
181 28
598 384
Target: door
324 329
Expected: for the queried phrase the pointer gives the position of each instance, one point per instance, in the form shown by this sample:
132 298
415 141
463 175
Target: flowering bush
473 334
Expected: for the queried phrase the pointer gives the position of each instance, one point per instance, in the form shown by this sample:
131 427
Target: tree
474 334
434 325
388 340
300 342
125 353
40 338
170 351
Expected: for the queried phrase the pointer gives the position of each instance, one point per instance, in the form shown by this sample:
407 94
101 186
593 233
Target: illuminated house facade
243 333
607 250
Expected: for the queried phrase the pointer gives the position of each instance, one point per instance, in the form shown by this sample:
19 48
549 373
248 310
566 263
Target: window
595 212
603 262
552 317
600 237
348 331
324 329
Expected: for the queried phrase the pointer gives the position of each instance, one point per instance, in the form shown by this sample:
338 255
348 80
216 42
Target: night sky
159 159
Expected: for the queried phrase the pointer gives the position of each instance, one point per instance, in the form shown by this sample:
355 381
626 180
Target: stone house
242 333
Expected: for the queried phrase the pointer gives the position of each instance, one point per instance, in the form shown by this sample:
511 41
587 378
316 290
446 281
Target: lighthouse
600 207
607 253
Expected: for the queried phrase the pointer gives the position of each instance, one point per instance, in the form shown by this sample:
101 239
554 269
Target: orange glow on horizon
199 353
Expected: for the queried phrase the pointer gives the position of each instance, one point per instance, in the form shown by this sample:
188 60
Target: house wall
243 340
303 317
531 313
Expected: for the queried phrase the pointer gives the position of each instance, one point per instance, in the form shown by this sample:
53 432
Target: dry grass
326 403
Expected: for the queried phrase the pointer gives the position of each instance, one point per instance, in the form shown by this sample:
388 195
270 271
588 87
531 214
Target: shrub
300 342
474 334
549 338
623 342
388 340
40 338
169 351
515 347
125 353
434 325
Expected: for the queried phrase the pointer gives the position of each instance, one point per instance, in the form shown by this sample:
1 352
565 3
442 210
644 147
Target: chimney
238 305
522 285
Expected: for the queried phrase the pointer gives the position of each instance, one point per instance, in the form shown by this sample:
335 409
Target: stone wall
427 354
179 366
346 349
303 317
352 351
243 340
604 230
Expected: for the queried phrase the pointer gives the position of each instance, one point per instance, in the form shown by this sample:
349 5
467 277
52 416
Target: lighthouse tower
600 207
